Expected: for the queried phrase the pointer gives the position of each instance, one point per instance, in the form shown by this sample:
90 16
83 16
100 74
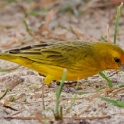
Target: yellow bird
81 59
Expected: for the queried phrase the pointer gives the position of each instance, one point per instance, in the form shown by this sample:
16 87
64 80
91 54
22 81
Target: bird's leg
48 79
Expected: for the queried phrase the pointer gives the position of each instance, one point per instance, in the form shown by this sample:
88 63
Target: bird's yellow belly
52 72
55 72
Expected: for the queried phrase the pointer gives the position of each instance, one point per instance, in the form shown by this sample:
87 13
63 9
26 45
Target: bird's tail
16 59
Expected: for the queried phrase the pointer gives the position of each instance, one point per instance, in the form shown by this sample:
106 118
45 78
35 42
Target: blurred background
26 22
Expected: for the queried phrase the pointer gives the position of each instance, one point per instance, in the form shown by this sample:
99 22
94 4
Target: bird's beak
122 67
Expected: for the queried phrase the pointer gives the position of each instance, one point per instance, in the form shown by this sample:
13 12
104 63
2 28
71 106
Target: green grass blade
27 28
80 93
4 70
102 38
61 84
6 91
74 99
58 93
119 10
114 102
101 88
107 79
122 85
9 69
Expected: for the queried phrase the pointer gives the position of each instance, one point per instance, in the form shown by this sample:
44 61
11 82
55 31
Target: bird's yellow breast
56 72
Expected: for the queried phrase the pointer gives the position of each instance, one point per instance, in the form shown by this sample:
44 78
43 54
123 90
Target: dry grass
24 23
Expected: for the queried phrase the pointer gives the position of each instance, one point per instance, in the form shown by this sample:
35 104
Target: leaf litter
27 92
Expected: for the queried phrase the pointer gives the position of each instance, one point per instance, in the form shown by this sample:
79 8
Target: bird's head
112 56
118 56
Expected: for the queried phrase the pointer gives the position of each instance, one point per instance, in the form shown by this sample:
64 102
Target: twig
108 34
43 96
88 118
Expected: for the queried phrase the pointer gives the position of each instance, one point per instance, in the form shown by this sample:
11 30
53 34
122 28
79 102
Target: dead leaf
45 27
11 82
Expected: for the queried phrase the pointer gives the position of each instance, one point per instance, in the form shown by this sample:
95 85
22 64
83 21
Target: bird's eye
117 59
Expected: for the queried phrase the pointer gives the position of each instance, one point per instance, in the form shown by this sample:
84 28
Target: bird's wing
63 54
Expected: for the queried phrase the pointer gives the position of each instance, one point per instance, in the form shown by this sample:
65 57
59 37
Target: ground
30 22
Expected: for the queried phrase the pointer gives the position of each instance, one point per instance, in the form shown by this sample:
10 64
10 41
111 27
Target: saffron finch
81 59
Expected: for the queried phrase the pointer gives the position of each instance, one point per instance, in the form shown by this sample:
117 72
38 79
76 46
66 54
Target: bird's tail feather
16 59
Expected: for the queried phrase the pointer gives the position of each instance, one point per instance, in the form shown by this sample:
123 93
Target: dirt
24 103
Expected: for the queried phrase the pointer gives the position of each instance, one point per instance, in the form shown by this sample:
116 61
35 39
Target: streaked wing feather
56 54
